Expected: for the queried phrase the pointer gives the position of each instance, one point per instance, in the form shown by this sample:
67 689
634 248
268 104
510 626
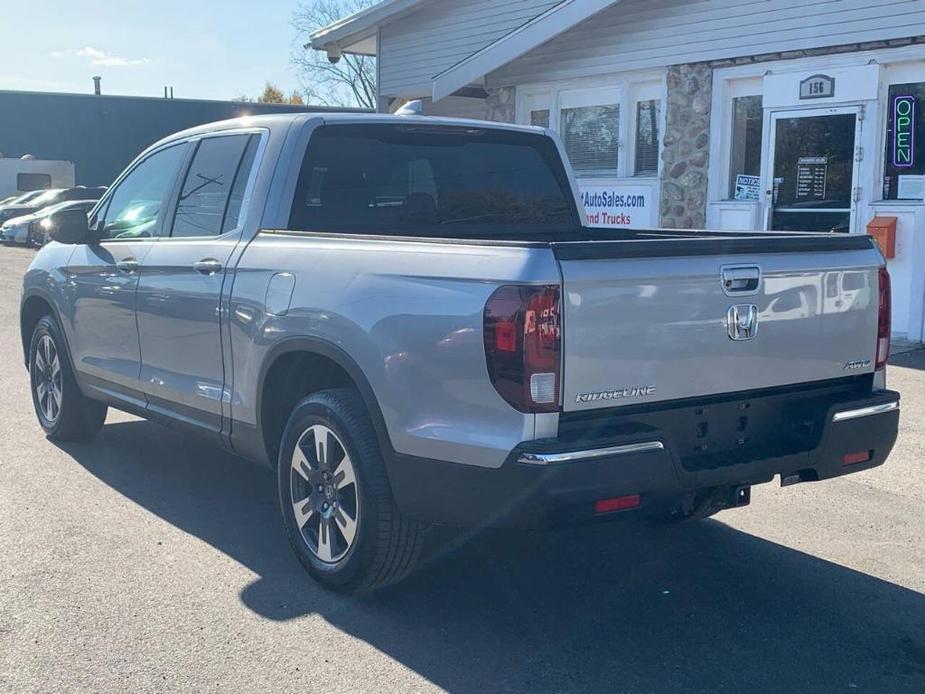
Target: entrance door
813 172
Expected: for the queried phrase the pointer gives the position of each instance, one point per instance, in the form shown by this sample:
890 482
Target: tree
271 95
349 82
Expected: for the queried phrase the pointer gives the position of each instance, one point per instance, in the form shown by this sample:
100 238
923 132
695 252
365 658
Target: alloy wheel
325 498
48 379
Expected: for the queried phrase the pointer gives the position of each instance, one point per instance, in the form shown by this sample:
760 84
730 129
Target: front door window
813 172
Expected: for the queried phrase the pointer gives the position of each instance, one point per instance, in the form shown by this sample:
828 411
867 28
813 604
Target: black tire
385 546
76 417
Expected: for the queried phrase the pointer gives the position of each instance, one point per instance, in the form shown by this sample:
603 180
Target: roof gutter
361 25
538 30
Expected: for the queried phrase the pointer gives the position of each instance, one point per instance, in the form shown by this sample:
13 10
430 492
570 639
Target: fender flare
329 350
25 339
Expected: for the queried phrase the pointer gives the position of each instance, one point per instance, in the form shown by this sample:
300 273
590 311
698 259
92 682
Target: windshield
46 198
51 209
24 198
432 180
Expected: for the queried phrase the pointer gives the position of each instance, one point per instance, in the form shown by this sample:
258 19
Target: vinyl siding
457 107
635 34
416 48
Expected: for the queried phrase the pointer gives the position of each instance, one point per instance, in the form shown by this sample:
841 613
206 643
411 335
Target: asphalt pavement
149 562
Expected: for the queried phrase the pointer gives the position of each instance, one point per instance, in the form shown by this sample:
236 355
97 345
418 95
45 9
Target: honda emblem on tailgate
742 321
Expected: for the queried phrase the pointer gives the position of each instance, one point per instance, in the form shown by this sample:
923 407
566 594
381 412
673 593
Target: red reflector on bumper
855 458
619 503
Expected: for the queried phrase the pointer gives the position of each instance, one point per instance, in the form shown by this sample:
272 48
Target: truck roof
286 120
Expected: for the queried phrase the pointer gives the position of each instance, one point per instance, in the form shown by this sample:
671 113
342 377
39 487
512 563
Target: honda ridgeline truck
409 320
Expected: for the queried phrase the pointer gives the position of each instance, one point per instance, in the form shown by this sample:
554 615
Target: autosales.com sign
617 205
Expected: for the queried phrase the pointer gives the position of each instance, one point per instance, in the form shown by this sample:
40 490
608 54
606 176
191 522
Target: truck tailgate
649 321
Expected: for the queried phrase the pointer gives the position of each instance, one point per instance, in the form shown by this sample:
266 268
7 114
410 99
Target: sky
211 49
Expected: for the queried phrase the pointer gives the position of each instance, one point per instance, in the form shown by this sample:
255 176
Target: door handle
207 266
741 279
128 266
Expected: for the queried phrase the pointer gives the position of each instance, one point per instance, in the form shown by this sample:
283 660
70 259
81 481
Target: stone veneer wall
686 146
501 105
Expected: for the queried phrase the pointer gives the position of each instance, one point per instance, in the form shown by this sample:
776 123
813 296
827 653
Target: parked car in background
32 229
49 197
20 199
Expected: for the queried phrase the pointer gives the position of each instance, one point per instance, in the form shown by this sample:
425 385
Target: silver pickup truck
409 320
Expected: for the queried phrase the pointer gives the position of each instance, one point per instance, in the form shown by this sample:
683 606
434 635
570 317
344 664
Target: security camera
334 55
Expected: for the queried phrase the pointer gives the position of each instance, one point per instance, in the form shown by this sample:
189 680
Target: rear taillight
523 346
883 319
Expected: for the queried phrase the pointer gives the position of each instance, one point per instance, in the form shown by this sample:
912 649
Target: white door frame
771 118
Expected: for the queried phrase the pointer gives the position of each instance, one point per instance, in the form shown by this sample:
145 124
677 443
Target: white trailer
25 174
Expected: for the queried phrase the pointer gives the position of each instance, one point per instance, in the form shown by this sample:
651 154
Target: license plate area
725 430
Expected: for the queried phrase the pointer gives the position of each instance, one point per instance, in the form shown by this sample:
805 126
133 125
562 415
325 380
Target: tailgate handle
743 279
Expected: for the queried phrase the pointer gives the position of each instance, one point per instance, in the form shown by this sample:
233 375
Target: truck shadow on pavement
621 607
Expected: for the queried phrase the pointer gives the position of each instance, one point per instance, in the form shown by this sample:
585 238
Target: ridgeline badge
904 132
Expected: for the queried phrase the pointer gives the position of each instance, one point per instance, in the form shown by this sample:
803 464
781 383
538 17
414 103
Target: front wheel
64 413
335 497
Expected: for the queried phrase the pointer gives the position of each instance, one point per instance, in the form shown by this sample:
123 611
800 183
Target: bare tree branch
349 82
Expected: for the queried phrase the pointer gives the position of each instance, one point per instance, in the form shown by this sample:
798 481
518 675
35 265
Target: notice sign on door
811 178
747 187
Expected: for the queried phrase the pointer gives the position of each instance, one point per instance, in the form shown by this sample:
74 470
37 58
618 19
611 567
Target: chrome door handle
743 279
128 266
207 266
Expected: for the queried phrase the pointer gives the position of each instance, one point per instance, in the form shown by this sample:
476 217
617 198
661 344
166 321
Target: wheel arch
289 352
33 308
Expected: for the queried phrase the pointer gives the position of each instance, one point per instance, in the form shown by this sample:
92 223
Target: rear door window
213 189
431 180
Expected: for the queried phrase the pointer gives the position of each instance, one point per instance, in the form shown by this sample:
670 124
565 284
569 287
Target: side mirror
70 226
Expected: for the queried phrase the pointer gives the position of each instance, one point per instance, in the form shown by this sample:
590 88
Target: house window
747 124
540 118
592 137
904 158
648 114
611 131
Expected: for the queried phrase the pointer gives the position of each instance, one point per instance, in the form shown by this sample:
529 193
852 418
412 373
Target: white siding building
732 114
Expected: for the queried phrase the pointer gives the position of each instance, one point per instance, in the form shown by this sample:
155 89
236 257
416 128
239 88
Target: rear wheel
64 413
335 497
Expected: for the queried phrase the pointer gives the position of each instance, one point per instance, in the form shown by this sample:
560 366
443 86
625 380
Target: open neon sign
904 131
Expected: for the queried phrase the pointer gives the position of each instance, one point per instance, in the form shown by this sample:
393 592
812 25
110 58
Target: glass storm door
813 177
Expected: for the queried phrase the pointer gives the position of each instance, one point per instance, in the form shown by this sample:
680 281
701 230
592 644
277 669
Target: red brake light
884 319
523 346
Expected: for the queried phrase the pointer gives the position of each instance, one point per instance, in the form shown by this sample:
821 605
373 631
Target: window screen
209 185
540 118
427 180
904 159
592 137
647 117
33 181
747 125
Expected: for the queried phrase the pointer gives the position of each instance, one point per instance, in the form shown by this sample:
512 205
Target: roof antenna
412 108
